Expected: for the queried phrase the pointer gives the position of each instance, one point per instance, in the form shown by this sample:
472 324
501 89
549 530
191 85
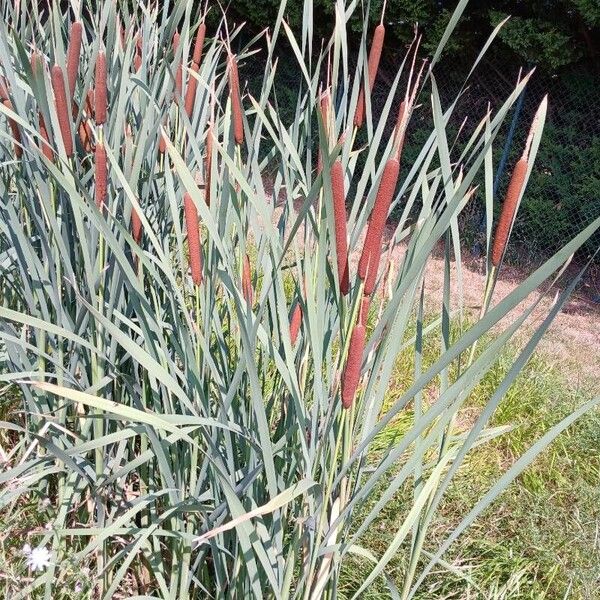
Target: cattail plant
73 55
371 252
100 91
236 101
190 90
509 209
136 226
193 236
295 323
247 290
199 44
373 67
62 109
341 234
101 176
351 373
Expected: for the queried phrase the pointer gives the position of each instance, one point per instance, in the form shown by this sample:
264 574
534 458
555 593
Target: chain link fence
563 194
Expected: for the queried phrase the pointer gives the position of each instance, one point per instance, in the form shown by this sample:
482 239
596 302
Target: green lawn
541 539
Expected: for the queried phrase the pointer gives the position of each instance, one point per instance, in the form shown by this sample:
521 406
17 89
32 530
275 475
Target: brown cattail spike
193 235
370 256
374 57
73 55
236 102
199 44
190 91
247 290
341 234
351 374
136 226
100 92
509 209
295 323
62 108
101 176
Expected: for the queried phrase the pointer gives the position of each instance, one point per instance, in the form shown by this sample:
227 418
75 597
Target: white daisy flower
37 558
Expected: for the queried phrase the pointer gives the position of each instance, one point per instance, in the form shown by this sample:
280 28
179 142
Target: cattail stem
193 235
208 164
73 54
341 234
62 108
236 102
371 253
373 67
351 374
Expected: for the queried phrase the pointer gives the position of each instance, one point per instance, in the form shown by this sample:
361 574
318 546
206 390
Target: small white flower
38 558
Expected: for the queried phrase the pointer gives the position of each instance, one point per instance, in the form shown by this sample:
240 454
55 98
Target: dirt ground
573 340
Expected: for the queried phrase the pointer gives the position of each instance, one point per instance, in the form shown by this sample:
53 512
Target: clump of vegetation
204 382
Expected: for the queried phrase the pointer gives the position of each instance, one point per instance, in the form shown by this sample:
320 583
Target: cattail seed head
136 226
190 91
101 89
198 45
101 165
193 235
351 374
247 290
374 58
162 144
509 209
372 244
295 323
14 128
236 102
62 108
341 234
73 55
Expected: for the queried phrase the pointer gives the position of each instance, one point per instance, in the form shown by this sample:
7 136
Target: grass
539 540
